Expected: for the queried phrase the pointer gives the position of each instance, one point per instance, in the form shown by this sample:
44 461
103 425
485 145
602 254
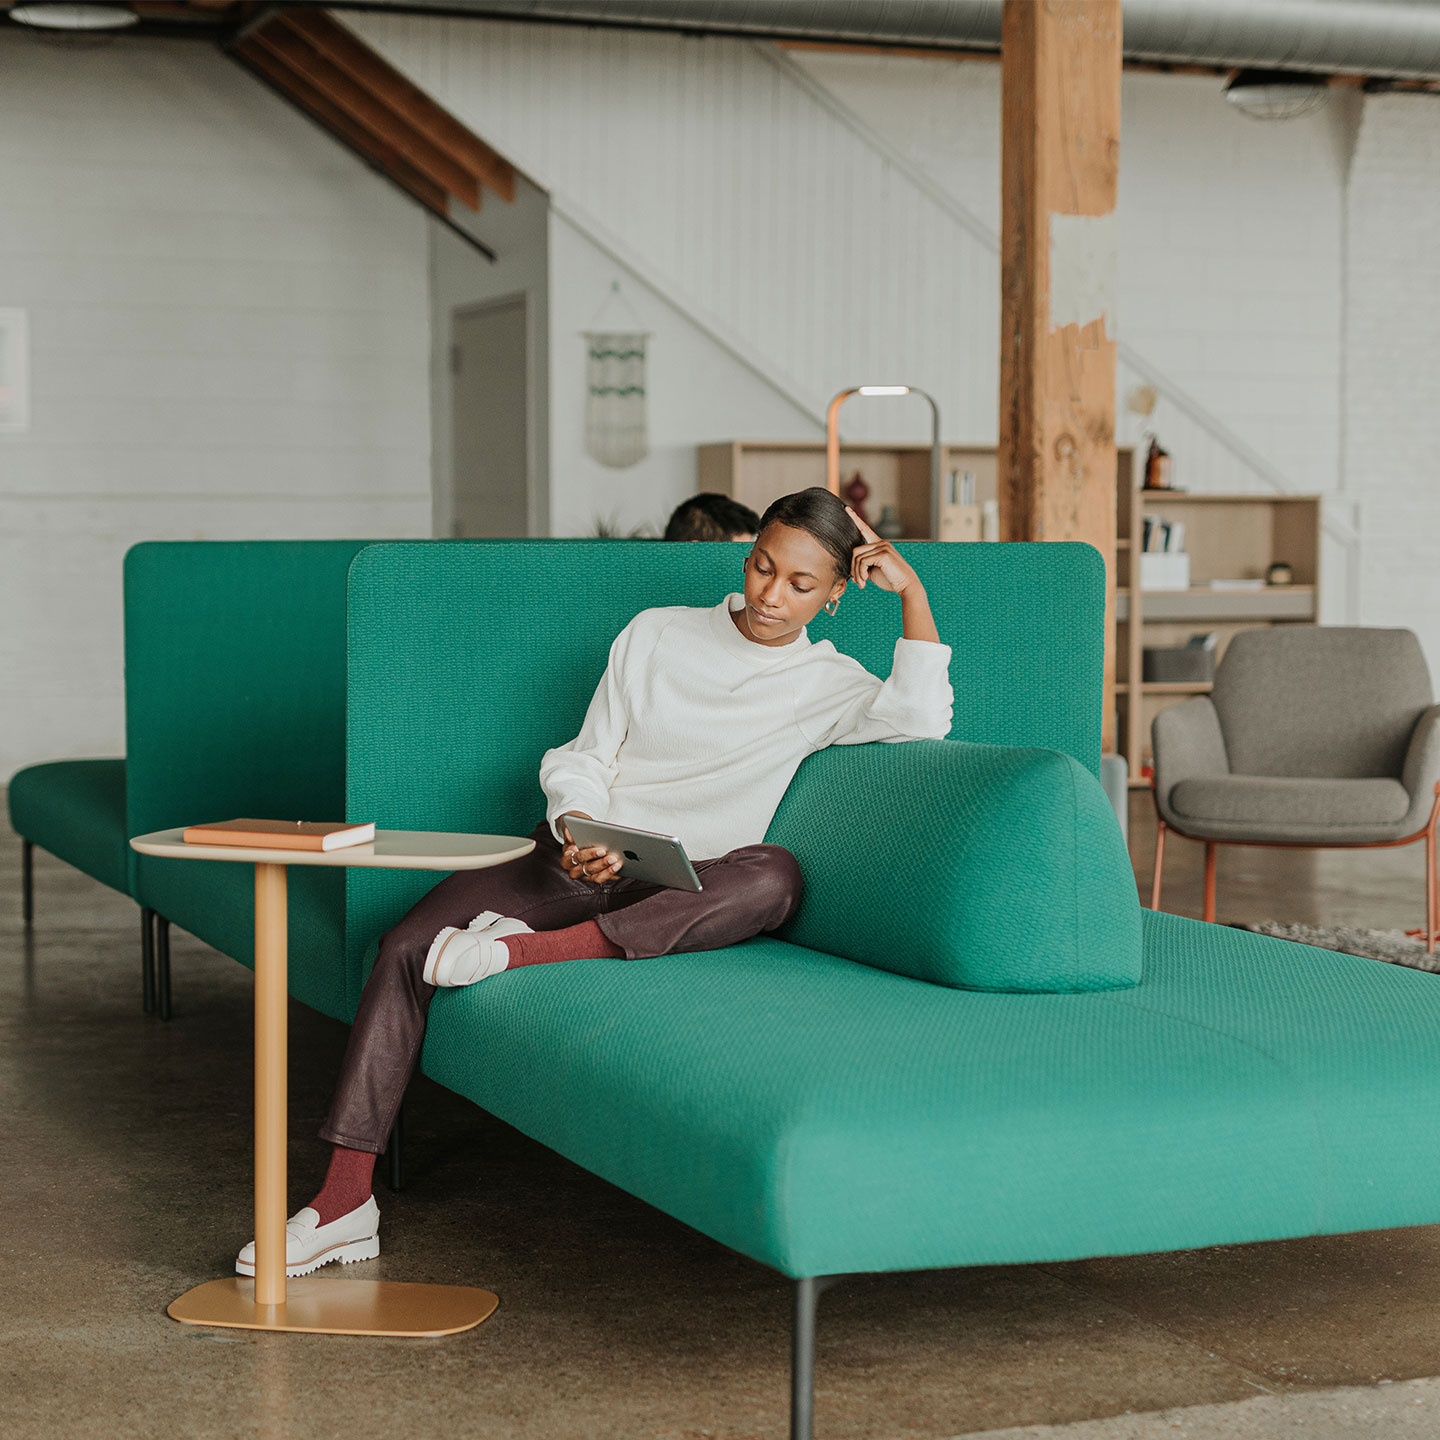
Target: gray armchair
1313 736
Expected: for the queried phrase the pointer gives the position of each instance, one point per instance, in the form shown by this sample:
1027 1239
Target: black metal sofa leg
802 1354
395 1152
147 960
27 883
162 966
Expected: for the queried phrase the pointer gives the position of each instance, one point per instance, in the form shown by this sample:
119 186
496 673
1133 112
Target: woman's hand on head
583 862
880 561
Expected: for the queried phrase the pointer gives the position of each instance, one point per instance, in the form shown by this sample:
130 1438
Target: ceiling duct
1386 39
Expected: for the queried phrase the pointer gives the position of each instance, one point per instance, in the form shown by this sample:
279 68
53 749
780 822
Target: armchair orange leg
1210 880
1160 828
1432 893
1431 932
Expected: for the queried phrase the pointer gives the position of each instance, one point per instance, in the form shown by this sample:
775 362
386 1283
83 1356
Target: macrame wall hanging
615 431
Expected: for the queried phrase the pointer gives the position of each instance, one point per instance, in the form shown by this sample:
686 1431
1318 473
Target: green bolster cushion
983 867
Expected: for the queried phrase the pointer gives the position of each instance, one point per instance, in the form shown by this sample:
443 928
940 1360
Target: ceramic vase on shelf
855 494
1157 467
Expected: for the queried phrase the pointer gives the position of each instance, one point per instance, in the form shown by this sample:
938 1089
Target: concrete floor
125 1181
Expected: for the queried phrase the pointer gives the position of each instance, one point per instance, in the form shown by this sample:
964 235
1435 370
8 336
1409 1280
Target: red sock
347 1184
576 942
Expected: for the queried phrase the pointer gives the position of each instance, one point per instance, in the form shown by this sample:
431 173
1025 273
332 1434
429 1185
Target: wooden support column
1060 155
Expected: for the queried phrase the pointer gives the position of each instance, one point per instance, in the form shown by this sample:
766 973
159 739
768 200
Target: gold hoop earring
832 607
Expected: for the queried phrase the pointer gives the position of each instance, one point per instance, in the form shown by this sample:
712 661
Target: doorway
490 419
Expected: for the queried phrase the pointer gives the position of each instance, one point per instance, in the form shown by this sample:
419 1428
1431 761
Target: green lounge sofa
234 704
829 1117
75 809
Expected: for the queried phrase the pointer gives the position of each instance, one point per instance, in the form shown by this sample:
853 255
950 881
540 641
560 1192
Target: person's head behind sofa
708 516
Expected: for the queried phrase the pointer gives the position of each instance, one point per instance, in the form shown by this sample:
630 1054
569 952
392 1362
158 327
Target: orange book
280 834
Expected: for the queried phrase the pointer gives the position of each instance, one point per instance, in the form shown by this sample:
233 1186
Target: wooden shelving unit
755 472
1228 537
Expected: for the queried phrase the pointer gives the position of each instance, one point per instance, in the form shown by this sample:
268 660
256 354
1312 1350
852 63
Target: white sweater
696 731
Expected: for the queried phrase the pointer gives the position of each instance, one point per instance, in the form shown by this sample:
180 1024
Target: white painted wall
1392 409
517 232
819 210
716 170
229 334
698 392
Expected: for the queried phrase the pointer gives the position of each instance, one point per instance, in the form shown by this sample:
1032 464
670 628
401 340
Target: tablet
654 859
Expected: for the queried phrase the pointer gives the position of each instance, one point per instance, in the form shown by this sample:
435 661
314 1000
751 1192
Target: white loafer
309 1244
461 957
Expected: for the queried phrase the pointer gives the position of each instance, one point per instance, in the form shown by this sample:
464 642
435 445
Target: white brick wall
229 338
1392 449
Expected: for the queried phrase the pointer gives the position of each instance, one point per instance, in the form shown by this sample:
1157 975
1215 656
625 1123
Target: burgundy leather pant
750 890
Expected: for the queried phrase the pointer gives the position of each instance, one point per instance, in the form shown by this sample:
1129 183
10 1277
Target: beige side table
318 1305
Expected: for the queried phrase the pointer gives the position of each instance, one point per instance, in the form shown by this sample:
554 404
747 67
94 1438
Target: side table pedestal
318 1305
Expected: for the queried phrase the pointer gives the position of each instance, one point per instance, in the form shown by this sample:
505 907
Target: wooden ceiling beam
186 12
296 88
441 128
365 109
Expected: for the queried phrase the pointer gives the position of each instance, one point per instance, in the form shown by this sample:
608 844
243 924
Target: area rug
1394 947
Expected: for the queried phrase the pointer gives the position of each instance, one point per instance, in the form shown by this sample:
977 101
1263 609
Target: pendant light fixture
53 16
1275 94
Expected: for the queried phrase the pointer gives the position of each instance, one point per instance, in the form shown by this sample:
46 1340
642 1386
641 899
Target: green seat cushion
215 902
75 809
822 1116
988 867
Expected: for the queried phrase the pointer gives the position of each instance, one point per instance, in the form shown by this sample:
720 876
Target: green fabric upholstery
75 809
453 697
822 1117
982 866
235 706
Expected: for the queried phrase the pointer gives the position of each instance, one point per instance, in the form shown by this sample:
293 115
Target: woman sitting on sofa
697 727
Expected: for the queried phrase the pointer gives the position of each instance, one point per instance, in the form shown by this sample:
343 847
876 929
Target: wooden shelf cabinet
1228 537
757 472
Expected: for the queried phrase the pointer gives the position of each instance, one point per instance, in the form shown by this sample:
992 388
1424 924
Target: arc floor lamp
832 441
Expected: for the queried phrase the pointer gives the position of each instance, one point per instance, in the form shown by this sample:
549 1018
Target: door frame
466 311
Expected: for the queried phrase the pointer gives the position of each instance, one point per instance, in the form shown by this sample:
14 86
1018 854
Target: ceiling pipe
1385 39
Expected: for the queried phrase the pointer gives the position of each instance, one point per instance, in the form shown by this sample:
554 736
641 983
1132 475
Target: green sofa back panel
987 867
235 706
467 662
217 903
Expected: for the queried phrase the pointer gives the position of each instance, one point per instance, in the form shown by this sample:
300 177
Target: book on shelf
1237 584
281 834
1162 537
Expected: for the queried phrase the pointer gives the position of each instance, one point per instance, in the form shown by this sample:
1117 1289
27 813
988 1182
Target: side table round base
338 1307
